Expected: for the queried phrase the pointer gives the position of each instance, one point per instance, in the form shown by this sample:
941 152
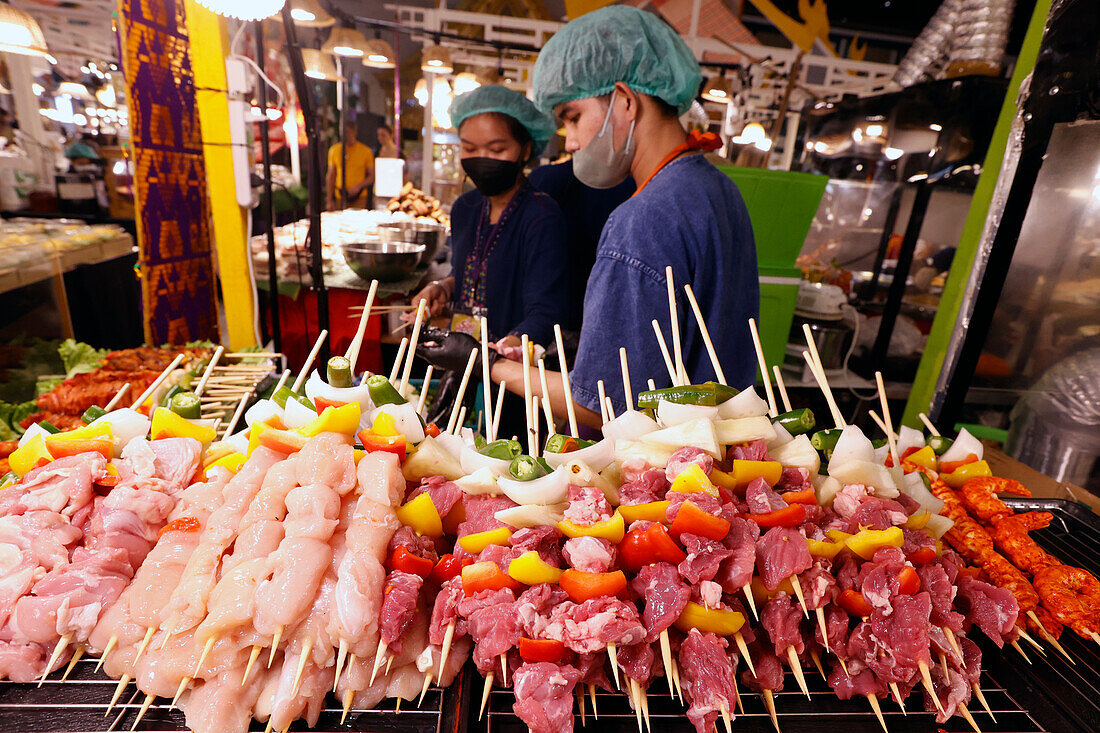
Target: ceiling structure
77 31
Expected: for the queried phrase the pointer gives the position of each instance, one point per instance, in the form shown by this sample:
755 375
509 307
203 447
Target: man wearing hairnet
617 79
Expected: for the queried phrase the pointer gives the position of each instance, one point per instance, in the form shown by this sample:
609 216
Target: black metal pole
344 203
871 289
316 188
901 275
269 204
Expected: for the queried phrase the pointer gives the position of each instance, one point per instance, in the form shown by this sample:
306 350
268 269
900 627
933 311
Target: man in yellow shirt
360 175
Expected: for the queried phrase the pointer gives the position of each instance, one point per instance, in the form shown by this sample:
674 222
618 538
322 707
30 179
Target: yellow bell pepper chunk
918 521
358 454
925 458
384 424
866 541
720 621
962 474
821 548
28 456
216 451
98 430
530 569
745 472
478 541
720 478
167 424
343 419
762 595
233 461
693 480
611 529
422 516
653 511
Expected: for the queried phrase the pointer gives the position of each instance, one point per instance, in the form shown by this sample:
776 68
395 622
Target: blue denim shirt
692 217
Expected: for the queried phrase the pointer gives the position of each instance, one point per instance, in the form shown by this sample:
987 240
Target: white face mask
598 164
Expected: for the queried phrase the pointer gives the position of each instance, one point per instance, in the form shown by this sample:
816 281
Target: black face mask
492 176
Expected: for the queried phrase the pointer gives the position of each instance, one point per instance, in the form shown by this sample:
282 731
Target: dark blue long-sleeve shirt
693 218
527 288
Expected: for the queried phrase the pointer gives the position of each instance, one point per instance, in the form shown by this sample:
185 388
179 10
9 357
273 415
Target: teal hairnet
617 43
496 98
81 150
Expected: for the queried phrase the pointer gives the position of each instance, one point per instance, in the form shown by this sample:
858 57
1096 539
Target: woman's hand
436 296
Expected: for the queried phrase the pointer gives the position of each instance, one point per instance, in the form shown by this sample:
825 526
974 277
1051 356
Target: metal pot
833 339
383 261
431 235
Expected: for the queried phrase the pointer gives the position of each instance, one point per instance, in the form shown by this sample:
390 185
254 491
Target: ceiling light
245 10
379 55
21 34
74 89
346 42
753 134
310 14
935 128
465 82
893 153
718 90
106 96
875 130
38 89
437 60
319 65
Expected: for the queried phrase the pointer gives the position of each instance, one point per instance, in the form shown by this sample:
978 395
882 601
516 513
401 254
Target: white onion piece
595 456
126 424
467 435
782 436
745 403
630 425
452 443
472 460
852 445
317 387
909 438
482 482
670 413
295 415
532 515
406 420
262 410
32 431
238 441
964 445
881 452
552 488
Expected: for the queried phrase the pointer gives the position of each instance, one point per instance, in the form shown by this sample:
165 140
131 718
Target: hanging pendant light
310 14
379 55
346 42
74 89
465 82
436 59
319 65
718 89
21 34
245 10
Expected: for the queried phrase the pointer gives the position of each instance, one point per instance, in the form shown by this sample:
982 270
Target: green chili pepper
186 405
9 478
49 427
382 392
797 422
339 372
558 443
526 468
174 390
303 400
92 414
707 394
825 441
940 444
878 443
503 449
479 442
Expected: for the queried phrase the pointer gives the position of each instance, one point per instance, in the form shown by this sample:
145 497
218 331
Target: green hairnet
496 98
81 150
617 43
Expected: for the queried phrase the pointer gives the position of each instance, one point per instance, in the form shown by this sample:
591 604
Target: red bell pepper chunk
321 403
542 650
183 524
922 556
693 520
663 547
486 575
641 547
908 581
952 466
788 516
432 430
854 603
403 560
583 586
449 567
909 451
805 496
395 444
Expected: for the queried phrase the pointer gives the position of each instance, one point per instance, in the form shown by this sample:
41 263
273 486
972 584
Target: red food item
449 567
541 650
321 403
403 560
60 447
486 576
805 496
854 603
908 581
788 516
395 444
183 524
641 547
922 556
693 520
432 430
583 586
952 466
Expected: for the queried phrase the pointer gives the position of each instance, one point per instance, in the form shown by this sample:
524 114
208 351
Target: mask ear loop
607 117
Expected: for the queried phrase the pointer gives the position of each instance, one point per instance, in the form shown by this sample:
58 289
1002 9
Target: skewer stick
352 354
411 356
461 420
943 665
773 410
954 644
634 703
816 657
202 657
1017 647
726 720
119 395
897 697
643 697
1095 637
926 680
664 353
400 358
819 376
144 709
820 613
448 637
486 382
307 647
144 644
309 360
769 703
627 393
341 657
579 694
237 414
603 400
111 644
681 372
547 408
378 657
796 667
844 666
72 662
977 688
1030 640
736 694
122 682
610 408
744 649
706 335
462 389
349 695
969 718
218 352
676 680
424 690
532 449
652 385
157 382
58 650
274 646
572 412
503 669
747 590
873 699
497 409
485 694
424 389
592 697
798 592
1049 637
252 657
666 657
928 424
282 380
613 656
890 437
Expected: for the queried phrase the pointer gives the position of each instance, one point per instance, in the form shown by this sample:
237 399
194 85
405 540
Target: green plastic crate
778 294
781 205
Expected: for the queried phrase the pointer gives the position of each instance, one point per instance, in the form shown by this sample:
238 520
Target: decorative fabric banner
177 273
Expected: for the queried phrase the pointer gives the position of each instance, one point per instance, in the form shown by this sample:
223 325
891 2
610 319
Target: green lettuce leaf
79 358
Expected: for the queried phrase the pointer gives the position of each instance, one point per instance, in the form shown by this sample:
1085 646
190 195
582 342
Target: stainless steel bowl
383 261
432 236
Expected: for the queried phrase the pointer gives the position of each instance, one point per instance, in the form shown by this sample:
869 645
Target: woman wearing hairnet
618 78
507 240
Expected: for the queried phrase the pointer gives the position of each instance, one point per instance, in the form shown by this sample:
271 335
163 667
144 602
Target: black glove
448 350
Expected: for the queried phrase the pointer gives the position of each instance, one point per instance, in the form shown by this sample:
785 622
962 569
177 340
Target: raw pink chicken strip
285 705
222 704
31 545
63 486
187 606
328 459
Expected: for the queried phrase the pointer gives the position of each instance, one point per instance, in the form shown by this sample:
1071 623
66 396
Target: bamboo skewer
610 408
773 410
448 637
309 360
424 390
781 386
462 389
820 613
747 590
897 697
613 655
873 699
237 414
486 382
926 679
969 718
352 354
565 383
666 658
744 649
819 376
603 400
1050 638
58 650
706 335
546 406
796 667
157 382
117 398
677 350
664 353
144 709
497 409
928 424
218 352
798 593
532 450
397 361
77 654
977 689
411 356
485 694
626 378
461 421
890 437
769 703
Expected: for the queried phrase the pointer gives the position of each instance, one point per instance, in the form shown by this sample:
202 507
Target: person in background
387 148
586 210
360 174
